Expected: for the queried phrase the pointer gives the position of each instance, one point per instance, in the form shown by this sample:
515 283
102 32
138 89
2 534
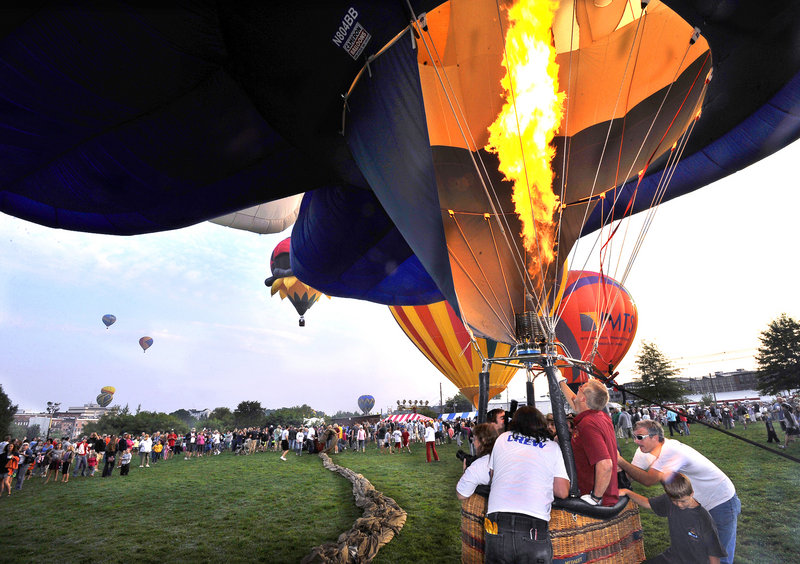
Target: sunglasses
642 437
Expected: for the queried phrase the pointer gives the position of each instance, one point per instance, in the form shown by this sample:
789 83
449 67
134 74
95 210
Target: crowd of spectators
783 411
56 460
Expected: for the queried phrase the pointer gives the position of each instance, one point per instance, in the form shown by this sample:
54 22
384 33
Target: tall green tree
185 416
249 414
458 402
142 422
7 413
220 418
294 415
658 376
778 356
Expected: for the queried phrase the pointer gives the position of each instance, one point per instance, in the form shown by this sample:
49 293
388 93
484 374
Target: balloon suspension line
479 165
629 63
457 112
492 303
609 216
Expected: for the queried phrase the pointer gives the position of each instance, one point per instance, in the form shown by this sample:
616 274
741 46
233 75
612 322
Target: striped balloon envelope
104 399
440 335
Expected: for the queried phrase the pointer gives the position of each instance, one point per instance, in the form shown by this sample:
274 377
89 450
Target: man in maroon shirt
594 443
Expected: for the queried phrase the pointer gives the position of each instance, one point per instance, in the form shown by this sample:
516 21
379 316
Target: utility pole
441 401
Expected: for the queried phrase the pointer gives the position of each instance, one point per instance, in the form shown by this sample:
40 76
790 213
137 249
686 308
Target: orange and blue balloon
598 321
145 343
108 320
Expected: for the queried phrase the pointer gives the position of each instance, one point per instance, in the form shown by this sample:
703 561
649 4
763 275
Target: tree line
778 360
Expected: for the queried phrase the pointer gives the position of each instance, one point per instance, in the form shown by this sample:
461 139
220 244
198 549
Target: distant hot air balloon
285 282
598 321
108 389
440 335
145 343
109 320
366 403
104 398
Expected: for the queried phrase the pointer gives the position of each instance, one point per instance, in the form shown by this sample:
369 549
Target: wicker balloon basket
576 539
473 511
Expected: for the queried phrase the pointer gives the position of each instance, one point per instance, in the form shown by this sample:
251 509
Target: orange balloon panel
595 309
438 333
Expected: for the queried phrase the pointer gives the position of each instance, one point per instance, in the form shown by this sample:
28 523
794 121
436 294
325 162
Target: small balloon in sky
109 320
366 403
104 399
145 343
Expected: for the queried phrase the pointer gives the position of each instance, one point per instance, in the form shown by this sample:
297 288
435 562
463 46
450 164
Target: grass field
258 508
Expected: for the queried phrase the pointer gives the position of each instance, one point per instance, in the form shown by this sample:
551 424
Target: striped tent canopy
461 415
407 417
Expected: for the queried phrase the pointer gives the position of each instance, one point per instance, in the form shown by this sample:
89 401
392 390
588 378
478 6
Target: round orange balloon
598 321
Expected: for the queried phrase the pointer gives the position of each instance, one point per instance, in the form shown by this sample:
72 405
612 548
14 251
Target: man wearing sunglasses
712 488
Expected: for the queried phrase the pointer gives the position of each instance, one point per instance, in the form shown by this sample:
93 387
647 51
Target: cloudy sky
715 268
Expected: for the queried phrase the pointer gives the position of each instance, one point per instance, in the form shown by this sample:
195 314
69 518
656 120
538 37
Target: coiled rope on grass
381 520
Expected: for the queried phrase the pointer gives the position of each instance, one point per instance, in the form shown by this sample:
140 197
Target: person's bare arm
713 560
638 499
645 477
560 487
602 476
569 395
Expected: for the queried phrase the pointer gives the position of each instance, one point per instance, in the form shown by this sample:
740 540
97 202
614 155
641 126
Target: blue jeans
520 539
725 516
23 468
80 465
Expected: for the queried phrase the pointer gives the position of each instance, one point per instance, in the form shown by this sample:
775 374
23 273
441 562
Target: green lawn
258 508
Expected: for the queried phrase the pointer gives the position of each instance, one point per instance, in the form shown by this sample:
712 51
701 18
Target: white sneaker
282 458
147 466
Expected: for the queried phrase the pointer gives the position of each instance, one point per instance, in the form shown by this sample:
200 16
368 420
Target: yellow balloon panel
440 335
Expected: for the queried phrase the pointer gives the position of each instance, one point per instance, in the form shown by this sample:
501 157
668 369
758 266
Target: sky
716 267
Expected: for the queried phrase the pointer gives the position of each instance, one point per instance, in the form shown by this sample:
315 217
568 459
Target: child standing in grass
91 462
692 533
125 463
66 460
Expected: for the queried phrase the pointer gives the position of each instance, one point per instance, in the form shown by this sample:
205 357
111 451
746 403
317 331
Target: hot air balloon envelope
284 281
145 343
366 403
108 389
440 335
104 399
109 320
595 310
